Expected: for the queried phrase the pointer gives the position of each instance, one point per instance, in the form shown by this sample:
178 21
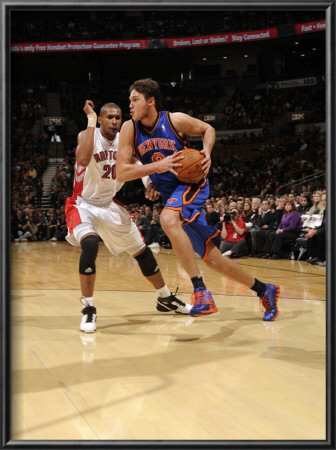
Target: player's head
150 90
109 119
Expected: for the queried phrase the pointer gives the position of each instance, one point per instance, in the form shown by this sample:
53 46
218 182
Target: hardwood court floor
146 375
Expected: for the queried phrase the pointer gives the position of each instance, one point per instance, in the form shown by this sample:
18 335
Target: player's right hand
89 107
169 163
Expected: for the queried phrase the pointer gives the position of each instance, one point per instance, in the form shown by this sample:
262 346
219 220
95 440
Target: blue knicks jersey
155 144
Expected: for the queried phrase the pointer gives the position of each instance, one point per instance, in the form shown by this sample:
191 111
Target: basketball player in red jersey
156 137
93 211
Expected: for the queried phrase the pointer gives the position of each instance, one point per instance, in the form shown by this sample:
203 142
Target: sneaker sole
205 313
276 303
88 331
165 311
163 308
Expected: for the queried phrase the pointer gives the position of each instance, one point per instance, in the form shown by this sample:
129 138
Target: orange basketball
191 170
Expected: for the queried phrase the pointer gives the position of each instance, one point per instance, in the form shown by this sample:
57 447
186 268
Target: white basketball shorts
112 223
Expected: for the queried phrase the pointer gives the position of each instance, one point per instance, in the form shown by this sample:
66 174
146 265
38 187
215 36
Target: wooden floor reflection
145 375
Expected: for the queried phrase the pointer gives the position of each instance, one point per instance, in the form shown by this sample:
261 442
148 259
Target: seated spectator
262 235
317 203
138 217
211 215
316 243
256 208
143 220
41 223
233 235
292 197
154 231
266 222
271 200
304 204
240 204
27 231
18 221
247 211
52 224
62 229
288 230
221 210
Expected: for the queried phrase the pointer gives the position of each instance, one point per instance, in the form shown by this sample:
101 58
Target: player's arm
85 139
190 126
127 170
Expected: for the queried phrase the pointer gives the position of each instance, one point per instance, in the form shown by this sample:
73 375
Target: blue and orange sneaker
203 303
269 300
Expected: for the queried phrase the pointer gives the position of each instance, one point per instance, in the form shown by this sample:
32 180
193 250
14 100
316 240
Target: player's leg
267 293
171 223
202 300
87 263
87 276
82 233
166 301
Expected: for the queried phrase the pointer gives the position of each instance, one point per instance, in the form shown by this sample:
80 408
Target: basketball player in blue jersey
156 138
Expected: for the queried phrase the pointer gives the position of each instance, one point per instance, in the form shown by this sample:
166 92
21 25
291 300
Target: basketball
191 170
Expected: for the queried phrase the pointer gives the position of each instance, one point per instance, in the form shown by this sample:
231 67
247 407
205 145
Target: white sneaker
228 253
154 245
53 239
88 322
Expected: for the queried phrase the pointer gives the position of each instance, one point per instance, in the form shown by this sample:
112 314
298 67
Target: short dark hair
149 88
108 105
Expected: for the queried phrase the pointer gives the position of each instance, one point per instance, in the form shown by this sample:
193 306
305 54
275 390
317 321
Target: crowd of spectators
28 103
259 108
44 26
271 163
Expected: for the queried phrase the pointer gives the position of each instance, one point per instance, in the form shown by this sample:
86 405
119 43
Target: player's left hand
206 163
151 193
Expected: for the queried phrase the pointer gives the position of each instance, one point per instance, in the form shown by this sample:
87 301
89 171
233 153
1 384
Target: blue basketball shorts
189 201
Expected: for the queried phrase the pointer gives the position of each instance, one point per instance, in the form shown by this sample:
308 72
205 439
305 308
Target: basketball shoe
269 300
88 322
172 303
203 303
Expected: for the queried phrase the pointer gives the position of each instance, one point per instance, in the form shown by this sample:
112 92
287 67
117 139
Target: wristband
92 120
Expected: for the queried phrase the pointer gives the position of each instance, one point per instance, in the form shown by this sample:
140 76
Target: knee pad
147 262
88 257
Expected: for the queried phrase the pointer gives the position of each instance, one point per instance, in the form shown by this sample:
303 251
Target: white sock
89 300
163 292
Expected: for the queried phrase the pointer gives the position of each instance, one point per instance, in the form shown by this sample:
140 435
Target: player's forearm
128 172
85 148
209 138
